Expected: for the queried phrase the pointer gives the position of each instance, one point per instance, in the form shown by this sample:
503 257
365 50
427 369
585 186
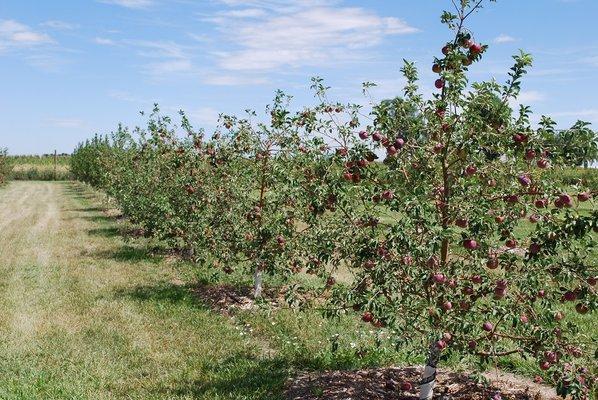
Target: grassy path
83 315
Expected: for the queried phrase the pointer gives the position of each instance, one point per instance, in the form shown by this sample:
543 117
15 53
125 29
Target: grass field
41 168
87 314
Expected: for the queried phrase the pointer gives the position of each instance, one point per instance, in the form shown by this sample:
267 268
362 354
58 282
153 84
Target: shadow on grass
162 292
104 232
129 254
240 377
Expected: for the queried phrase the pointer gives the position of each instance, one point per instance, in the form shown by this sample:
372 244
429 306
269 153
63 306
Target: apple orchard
444 212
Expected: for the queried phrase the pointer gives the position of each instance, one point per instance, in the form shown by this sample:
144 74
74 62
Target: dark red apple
439 83
470 170
470 244
542 163
581 308
388 195
488 327
511 243
461 222
377 136
363 135
436 68
584 196
524 180
475 48
367 317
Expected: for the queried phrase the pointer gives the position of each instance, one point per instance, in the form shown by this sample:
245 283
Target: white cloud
504 38
275 34
104 41
531 96
587 114
172 58
129 3
60 25
233 80
66 123
204 116
13 34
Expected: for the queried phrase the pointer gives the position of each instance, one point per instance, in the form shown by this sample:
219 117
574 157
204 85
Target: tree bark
428 381
257 282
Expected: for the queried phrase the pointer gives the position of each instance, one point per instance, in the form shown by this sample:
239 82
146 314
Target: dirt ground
385 384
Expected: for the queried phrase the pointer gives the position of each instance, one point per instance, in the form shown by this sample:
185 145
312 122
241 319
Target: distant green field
40 168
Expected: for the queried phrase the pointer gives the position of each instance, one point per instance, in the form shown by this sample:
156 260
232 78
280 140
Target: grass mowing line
100 326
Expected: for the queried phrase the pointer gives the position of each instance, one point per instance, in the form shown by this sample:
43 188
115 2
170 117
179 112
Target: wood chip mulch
385 384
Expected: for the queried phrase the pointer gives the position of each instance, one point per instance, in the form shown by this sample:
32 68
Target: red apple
399 143
439 278
544 365
439 83
377 136
475 48
391 150
367 317
584 196
530 155
461 222
470 170
436 68
542 163
470 244
363 135
534 248
541 203
447 305
492 263
511 243
388 195
446 50
488 327
524 180
441 345
581 308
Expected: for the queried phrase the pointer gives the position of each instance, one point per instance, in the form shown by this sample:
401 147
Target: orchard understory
439 219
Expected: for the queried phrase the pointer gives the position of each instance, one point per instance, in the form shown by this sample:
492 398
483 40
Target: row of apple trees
447 211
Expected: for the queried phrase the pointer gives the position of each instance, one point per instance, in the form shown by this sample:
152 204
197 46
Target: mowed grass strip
82 319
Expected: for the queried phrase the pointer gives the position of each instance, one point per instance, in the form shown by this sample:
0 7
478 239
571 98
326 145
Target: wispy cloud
232 80
14 34
273 34
586 114
135 4
66 123
167 57
504 38
60 25
104 41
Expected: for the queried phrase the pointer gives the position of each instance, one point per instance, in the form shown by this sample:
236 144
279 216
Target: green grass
87 314
40 168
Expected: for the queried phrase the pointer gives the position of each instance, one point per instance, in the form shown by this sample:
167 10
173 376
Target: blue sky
71 68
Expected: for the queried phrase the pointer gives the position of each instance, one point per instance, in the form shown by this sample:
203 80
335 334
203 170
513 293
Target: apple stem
426 386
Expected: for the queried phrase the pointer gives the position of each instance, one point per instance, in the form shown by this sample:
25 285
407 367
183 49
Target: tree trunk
428 381
257 282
